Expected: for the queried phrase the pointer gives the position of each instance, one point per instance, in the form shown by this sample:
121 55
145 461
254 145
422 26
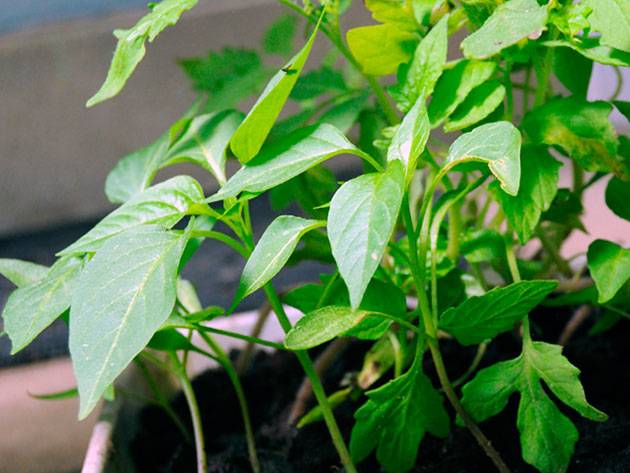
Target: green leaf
318 82
251 134
479 104
395 418
593 50
538 188
573 70
618 197
286 158
67 394
609 265
611 18
316 415
22 273
32 308
272 252
362 217
496 144
380 49
397 12
125 293
170 339
164 204
525 19
582 129
623 107
410 138
419 79
130 48
344 114
278 38
481 318
455 85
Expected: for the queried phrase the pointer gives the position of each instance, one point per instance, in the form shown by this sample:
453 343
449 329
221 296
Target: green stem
509 94
222 237
240 336
516 277
543 64
550 248
527 89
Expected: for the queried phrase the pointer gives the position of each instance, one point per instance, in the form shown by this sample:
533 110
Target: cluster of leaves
416 225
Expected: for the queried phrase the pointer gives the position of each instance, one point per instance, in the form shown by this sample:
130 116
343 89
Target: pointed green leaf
363 213
496 144
481 318
32 308
170 339
22 273
573 70
67 394
611 18
251 134
609 265
165 204
479 104
395 418
130 48
618 197
538 188
282 160
126 292
524 17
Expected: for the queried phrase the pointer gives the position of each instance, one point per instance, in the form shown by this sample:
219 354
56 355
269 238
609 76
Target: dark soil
272 381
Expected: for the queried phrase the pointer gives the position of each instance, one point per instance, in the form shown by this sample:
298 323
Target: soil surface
272 381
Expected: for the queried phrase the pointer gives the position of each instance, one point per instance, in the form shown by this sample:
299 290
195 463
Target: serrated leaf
362 216
395 419
272 252
524 17
125 294
130 48
164 204
609 265
251 134
618 197
480 103
538 188
496 144
286 158
454 86
278 39
593 50
32 308
22 273
481 318
611 18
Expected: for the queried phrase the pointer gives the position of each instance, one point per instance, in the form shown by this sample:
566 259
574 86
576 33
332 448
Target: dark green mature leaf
380 49
496 144
363 213
125 294
130 48
251 134
573 70
525 19
272 252
623 107
410 138
455 85
170 339
419 78
315 83
481 318
282 160
611 18
618 197
395 418
22 273
547 436
311 190
593 50
538 188
33 307
582 129
278 38
164 204
609 265
479 104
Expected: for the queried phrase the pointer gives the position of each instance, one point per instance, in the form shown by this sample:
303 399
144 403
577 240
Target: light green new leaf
33 307
611 18
286 158
455 85
251 134
609 265
164 204
539 185
380 49
395 418
480 103
272 252
618 197
397 12
426 67
410 138
496 144
362 217
481 318
130 48
22 273
593 50
511 22
125 294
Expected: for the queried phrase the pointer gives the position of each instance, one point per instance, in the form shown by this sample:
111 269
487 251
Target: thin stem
222 237
509 95
554 252
619 86
240 336
481 351
516 277
527 89
543 64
